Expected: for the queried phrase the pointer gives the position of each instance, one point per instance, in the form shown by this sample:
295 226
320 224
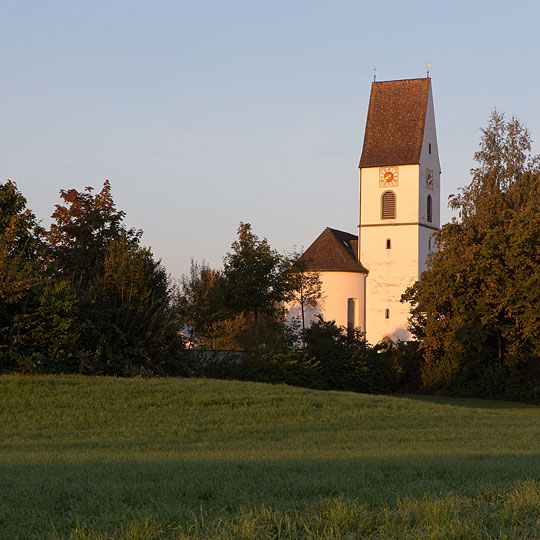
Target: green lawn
91 458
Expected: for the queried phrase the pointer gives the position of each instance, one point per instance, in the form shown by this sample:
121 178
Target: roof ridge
404 80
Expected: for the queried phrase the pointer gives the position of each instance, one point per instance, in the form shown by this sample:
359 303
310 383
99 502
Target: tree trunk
257 335
303 321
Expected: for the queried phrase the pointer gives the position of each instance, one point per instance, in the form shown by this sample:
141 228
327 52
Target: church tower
399 200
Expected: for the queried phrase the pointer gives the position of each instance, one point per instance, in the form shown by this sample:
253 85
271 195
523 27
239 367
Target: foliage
240 307
201 304
347 361
271 364
477 308
48 335
303 287
243 333
89 300
255 277
82 230
22 274
130 313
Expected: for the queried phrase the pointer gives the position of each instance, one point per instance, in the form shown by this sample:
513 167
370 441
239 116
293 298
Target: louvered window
388 205
429 209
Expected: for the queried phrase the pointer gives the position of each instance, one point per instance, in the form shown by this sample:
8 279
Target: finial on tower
427 71
374 73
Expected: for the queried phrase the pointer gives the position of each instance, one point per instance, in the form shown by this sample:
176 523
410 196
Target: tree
21 271
201 303
303 287
255 275
38 315
131 313
127 325
83 229
477 308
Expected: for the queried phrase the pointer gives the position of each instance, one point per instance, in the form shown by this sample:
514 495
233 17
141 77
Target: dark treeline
83 296
86 297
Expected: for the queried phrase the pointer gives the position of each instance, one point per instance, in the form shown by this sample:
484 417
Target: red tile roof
395 122
333 251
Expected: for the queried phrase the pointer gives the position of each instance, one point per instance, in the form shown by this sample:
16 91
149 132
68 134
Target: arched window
386 313
388 243
429 209
429 243
388 205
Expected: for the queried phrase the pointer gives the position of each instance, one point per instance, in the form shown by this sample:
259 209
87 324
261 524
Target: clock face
388 176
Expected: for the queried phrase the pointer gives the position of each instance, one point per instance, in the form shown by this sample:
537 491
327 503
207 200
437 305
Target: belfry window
429 209
388 205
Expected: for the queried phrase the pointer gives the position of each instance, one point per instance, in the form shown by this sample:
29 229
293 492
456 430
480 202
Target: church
363 276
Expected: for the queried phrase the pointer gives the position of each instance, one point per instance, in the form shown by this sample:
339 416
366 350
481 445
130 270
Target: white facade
342 300
400 161
395 250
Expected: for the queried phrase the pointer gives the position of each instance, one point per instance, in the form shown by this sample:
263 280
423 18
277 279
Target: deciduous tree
303 287
477 308
82 229
201 303
255 276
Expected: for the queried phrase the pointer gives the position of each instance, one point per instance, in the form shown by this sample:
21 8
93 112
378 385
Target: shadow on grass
469 403
36 496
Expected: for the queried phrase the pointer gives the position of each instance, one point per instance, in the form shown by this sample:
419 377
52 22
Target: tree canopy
476 309
87 298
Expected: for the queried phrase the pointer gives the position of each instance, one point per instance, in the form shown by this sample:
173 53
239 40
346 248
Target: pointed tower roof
395 122
333 251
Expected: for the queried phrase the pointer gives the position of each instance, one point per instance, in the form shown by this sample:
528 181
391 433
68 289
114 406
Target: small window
352 321
429 244
388 205
429 209
429 147
388 243
386 313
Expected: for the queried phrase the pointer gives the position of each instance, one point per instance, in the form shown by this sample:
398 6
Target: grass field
96 458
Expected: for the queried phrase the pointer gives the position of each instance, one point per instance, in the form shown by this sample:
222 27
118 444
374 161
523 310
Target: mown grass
96 458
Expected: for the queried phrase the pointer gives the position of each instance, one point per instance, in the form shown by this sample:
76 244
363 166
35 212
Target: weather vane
427 71
374 73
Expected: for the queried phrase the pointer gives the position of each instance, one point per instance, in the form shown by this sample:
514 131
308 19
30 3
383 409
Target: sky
205 114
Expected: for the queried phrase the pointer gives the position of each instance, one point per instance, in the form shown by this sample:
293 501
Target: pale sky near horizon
204 114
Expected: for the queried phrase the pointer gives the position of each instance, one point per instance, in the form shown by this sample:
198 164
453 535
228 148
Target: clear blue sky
204 114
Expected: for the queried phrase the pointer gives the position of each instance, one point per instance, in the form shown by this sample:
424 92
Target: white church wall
392 268
425 247
429 164
406 193
391 271
337 288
